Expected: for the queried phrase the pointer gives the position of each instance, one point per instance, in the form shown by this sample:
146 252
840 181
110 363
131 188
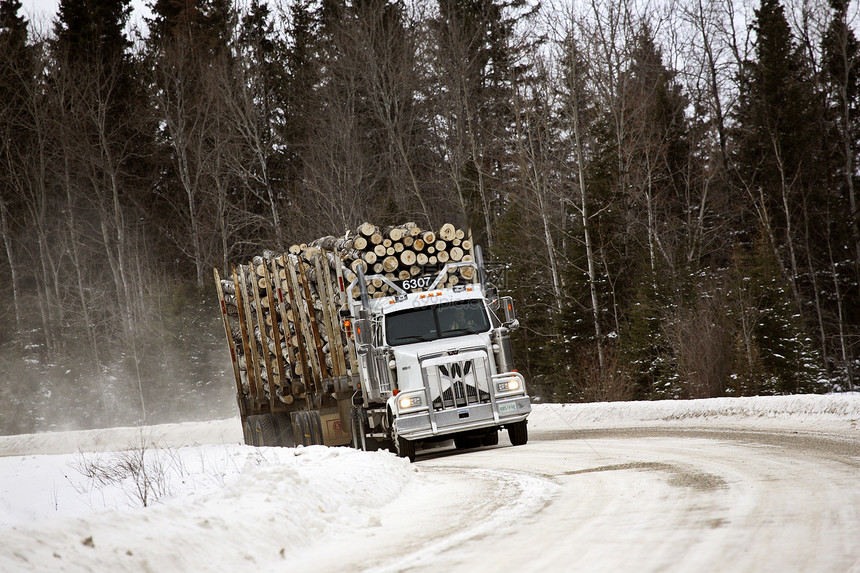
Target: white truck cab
436 364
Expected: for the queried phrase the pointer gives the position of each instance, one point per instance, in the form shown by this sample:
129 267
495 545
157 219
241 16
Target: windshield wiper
459 331
413 338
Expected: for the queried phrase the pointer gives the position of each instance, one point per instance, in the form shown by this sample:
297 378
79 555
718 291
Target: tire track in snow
517 496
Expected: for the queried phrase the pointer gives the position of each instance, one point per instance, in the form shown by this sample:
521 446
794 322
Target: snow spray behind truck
380 338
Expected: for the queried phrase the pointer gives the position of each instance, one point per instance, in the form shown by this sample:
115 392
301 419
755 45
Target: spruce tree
780 167
838 212
776 126
655 151
476 71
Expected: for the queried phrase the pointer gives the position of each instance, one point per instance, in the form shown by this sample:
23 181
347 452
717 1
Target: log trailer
318 360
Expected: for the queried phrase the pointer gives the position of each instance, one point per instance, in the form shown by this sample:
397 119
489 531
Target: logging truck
331 346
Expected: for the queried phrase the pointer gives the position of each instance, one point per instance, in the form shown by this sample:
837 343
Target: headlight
510 385
407 402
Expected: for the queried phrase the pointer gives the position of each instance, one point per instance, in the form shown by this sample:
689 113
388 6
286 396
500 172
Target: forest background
668 189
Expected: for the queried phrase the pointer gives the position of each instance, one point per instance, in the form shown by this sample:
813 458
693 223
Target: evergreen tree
773 354
655 153
206 23
89 32
477 70
775 133
838 212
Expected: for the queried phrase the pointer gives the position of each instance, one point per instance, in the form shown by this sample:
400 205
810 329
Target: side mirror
362 332
508 309
492 295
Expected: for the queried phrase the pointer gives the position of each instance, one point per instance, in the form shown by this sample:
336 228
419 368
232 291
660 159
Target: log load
280 310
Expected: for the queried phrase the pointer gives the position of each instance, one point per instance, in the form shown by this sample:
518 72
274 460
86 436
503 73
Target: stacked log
280 310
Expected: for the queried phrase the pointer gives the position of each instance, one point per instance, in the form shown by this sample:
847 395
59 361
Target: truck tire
405 448
253 422
518 433
357 429
310 428
267 430
491 439
247 431
316 428
285 430
466 442
303 427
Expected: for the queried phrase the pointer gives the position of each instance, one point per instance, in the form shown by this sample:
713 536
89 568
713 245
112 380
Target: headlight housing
509 384
411 402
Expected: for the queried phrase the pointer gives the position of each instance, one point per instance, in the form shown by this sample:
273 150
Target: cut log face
407 258
390 264
448 232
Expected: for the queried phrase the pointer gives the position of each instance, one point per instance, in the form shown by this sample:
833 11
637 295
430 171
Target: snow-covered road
762 484
675 501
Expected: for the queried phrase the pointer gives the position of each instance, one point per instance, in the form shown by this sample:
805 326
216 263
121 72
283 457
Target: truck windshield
432 323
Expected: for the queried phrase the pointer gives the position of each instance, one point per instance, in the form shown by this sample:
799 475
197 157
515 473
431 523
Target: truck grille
457 380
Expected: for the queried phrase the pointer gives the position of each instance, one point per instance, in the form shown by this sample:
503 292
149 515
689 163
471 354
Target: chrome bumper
422 425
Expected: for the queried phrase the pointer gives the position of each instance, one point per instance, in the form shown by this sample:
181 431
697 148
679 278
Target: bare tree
573 112
188 111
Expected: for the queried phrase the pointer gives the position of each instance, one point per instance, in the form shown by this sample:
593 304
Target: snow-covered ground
73 501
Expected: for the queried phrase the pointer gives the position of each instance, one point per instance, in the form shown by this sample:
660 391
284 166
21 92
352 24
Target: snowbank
834 413
228 508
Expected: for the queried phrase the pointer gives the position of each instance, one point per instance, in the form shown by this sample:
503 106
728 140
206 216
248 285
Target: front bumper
433 423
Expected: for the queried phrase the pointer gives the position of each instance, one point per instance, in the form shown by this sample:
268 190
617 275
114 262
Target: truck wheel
518 433
247 431
253 422
405 448
285 430
466 442
264 428
302 425
316 428
356 428
491 439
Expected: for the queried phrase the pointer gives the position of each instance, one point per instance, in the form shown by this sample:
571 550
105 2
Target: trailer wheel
303 426
316 428
266 431
310 428
285 430
405 448
253 422
247 431
518 433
